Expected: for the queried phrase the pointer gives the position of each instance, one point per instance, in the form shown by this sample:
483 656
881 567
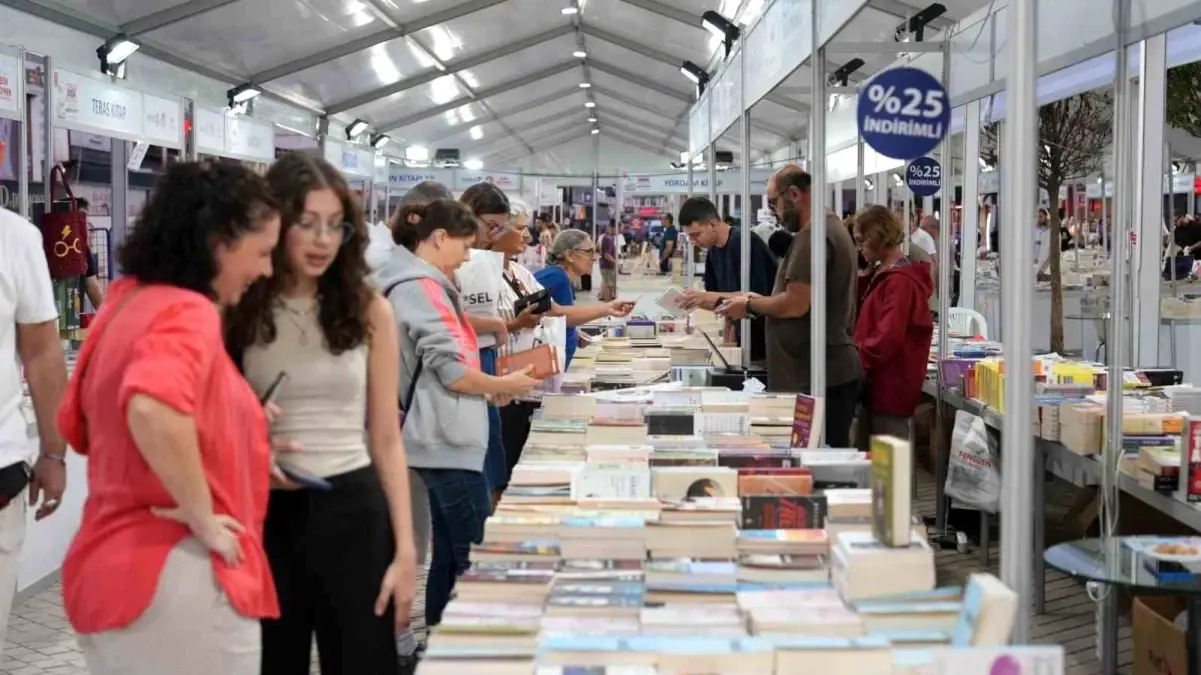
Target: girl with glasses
338 531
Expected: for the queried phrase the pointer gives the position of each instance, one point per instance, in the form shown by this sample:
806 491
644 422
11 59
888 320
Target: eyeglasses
587 251
339 232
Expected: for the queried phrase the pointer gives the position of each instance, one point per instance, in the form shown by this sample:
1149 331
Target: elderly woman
570 258
894 327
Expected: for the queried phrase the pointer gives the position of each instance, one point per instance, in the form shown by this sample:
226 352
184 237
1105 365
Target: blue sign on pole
924 177
903 113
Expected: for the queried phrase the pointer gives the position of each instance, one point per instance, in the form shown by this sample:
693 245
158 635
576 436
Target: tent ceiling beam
506 144
631 141
172 15
633 131
369 41
90 26
642 81
641 123
434 73
550 146
656 7
505 114
556 132
481 94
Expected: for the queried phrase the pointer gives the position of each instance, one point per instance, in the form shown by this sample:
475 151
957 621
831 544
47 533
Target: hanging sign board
357 162
332 151
924 177
780 42
728 182
210 131
162 124
137 156
698 126
903 113
726 101
505 181
249 139
87 105
404 178
12 77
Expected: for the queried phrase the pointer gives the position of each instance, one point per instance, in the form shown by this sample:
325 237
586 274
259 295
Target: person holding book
569 259
524 331
341 547
894 328
443 389
723 264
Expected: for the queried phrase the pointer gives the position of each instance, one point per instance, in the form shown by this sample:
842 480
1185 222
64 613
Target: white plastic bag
973 472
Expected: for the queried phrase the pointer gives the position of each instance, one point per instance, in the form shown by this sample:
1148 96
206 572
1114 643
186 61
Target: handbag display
64 232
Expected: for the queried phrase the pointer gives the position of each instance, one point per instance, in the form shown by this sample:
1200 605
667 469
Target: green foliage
1184 98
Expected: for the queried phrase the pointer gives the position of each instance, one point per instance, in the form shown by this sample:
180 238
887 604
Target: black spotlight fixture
114 53
356 128
721 27
915 26
696 75
842 76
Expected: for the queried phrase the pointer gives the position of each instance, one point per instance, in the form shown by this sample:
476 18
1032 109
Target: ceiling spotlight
379 140
580 54
592 120
595 131
721 27
696 75
589 104
868 184
113 54
243 93
842 76
417 153
356 127
473 165
585 85
572 8
914 28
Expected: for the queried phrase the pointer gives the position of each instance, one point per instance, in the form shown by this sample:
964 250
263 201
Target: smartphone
306 480
273 389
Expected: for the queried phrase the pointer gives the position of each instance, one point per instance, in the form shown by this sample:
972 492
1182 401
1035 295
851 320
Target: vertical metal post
860 188
48 133
839 207
969 235
595 182
120 182
817 212
908 213
23 200
1149 136
1016 301
690 177
1115 347
748 220
190 151
946 256
711 170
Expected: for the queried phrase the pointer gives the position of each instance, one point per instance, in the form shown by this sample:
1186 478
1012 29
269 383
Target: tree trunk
1055 269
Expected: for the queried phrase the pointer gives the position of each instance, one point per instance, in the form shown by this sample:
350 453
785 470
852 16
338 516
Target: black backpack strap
408 399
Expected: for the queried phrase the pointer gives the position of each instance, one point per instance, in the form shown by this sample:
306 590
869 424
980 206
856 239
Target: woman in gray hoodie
443 391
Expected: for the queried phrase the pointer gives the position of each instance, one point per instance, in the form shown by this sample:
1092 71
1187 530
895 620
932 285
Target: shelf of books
657 527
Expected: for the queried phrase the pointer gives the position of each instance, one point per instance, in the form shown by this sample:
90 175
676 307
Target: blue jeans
459 504
496 467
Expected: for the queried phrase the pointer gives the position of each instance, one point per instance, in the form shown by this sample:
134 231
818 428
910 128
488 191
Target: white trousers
189 629
12 535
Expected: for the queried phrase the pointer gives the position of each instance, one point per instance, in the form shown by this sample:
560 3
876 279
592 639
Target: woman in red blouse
167 572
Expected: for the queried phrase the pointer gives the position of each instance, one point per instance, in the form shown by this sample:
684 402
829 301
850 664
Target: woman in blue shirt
570 257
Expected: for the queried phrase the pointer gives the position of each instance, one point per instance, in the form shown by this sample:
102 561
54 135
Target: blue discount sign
903 113
924 177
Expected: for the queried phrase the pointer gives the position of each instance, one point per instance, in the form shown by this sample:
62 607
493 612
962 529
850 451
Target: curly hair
343 292
416 222
193 207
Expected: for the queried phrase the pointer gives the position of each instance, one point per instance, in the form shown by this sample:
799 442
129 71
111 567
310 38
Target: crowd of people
277 428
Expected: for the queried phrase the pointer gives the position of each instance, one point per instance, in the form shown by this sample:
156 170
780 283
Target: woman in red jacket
894 327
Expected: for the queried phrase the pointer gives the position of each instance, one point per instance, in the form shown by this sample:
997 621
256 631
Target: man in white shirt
1042 245
29 338
919 235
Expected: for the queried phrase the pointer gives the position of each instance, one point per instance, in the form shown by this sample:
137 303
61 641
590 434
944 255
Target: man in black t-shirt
723 264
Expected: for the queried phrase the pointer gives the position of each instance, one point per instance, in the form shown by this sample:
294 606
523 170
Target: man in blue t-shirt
723 264
668 248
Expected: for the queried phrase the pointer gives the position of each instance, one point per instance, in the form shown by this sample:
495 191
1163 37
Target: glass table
1142 565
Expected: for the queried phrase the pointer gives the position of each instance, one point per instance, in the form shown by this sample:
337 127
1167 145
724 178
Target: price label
924 177
903 113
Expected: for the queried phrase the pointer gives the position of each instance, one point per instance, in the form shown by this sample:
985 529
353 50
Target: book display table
1142 565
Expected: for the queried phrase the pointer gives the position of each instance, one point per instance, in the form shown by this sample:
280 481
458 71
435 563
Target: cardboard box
1159 646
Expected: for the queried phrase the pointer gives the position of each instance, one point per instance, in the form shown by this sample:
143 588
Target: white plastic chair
967 321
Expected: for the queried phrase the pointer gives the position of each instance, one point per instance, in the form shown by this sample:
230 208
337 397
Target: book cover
783 512
1193 449
544 359
891 502
744 458
808 421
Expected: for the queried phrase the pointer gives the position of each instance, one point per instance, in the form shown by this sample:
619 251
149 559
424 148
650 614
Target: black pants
515 421
840 413
328 553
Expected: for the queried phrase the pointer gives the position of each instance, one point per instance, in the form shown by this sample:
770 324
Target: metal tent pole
744 234
1016 300
970 222
860 188
1149 136
23 200
817 212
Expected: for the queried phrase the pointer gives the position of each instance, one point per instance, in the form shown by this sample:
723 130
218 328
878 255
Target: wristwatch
750 312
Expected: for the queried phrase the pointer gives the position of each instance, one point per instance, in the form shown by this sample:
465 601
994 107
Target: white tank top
324 400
